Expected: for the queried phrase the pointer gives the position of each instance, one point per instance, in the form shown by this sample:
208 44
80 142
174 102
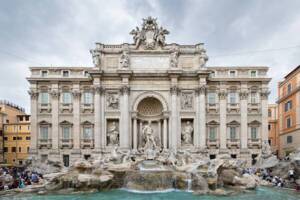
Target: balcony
66 143
254 143
45 143
233 143
87 143
212 107
233 107
66 107
45 107
212 143
253 107
87 108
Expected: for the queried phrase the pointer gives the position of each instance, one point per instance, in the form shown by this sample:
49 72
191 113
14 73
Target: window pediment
65 123
44 123
254 123
213 123
233 123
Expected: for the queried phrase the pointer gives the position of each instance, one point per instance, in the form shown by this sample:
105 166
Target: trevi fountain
154 152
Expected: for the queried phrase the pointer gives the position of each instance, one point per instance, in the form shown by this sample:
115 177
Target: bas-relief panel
112 101
149 62
111 62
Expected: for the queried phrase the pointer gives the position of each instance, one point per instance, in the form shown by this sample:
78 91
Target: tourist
291 174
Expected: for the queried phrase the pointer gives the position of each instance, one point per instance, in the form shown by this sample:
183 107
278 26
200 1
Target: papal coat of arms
150 36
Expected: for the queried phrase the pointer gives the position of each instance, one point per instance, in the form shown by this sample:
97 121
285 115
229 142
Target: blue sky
60 33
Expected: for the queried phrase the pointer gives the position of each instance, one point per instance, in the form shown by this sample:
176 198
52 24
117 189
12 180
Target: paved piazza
148 95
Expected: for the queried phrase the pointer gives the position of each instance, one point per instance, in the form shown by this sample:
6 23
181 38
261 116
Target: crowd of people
12 178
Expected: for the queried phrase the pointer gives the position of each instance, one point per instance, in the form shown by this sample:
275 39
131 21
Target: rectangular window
87 98
27 138
253 133
66 133
44 98
288 122
212 133
288 106
87 133
44 73
269 126
66 98
65 73
253 98
20 149
232 133
14 149
253 73
289 139
232 98
5 138
232 73
86 73
28 149
14 138
44 133
66 160
269 113
211 98
289 88
5 149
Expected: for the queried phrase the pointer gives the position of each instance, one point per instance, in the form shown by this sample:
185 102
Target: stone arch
145 95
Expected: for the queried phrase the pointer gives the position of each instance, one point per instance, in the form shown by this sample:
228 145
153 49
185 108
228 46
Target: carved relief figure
174 59
113 101
124 60
113 134
96 57
161 38
186 101
187 132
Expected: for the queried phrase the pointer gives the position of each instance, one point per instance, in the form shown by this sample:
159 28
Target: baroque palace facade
148 92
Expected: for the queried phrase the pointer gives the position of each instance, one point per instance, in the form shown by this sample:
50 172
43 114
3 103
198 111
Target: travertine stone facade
148 87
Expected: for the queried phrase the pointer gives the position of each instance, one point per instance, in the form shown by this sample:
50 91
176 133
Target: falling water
189 185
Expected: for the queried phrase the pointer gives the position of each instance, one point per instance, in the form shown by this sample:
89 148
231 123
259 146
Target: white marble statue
174 59
187 133
96 57
149 137
124 60
113 101
113 134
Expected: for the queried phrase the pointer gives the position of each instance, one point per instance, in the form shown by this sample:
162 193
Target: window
5 138
232 133
87 157
66 98
5 149
87 133
28 138
212 74
44 133
87 98
28 128
269 126
270 142
14 138
14 149
212 156
253 133
288 122
28 149
232 98
269 113
1 132
211 98
289 139
233 156
289 88
20 149
44 98
20 162
232 73
19 138
86 73
253 73
44 73
288 106
65 73
66 160
20 128
66 133
212 133
253 97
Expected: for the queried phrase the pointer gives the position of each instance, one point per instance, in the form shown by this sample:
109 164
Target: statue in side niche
187 132
113 134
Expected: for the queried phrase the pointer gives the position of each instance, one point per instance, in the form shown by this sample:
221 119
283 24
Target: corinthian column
33 121
76 117
97 116
55 107
244 119
264 114
202 117
173 134
223 115
124 122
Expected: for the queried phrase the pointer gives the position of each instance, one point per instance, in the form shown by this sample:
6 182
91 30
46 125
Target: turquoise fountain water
259 194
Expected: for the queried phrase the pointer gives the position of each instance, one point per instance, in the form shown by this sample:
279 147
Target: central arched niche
150 110
150 107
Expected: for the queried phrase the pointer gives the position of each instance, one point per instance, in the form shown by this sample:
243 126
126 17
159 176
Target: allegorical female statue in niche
113 134
187 132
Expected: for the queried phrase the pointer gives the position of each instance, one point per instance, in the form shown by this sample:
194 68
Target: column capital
134 115
244 95
201 90
222 94
33 94
98 89
55 94
264 94
125 89
76 94
174 90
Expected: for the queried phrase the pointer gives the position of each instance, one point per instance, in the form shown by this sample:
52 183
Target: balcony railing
66 107
45 107
87 107
66 143
233 143
212 143
212 107
233 107
87 143
254 142
45 143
